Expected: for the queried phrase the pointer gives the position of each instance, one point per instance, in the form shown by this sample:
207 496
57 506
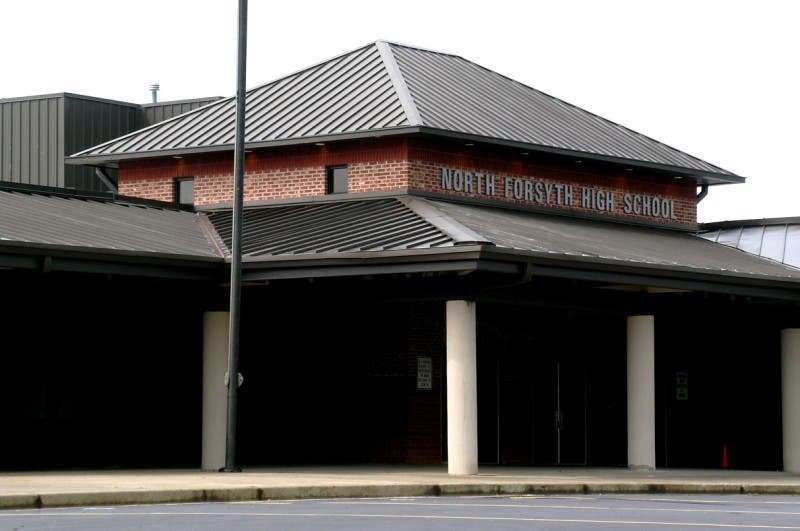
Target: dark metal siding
32 140
87 122
38 131
158 112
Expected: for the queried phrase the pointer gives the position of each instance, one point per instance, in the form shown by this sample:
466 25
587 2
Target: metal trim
550 211
91 253
594 265
718 178
399 83
387 269
700 175
210 99
374 133
458 232
69 95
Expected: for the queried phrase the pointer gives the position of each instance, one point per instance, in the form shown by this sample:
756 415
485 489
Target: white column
790 393
462 389
215 412
641 393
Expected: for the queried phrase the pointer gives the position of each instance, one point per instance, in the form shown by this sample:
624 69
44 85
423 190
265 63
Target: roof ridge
399 83
457 231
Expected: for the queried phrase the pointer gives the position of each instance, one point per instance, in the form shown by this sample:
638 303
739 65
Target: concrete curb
253 493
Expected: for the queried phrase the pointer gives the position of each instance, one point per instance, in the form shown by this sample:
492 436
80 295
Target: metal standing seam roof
395 89
348 228
567 238
41 219
338 227
347 94
776 239
401 226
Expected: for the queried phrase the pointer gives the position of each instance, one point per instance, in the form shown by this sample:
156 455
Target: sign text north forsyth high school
555 194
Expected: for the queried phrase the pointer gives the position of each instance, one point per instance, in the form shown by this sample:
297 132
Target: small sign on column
424 372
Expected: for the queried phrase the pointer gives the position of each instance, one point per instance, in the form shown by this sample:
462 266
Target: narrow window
184 191
337 180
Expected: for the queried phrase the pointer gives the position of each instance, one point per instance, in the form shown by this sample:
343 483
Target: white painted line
752 499
578 507
418 517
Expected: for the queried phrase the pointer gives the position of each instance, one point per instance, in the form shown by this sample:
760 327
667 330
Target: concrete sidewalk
54 489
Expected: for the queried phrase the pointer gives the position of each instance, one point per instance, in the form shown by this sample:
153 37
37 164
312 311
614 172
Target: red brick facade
574 185
433 166
275 174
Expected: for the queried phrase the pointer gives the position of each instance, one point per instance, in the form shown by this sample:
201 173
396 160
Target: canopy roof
346 236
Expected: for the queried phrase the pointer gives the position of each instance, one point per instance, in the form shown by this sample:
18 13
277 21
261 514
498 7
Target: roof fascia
513 261
116 255
701 176
568 267
111 159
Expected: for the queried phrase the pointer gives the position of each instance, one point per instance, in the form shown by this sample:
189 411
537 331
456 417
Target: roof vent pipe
154 91
703 192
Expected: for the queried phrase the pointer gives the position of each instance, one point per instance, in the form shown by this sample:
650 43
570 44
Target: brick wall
279 173
426 337
417 164
518 178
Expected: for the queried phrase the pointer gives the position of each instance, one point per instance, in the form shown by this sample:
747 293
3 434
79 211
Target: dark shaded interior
99 372
104 371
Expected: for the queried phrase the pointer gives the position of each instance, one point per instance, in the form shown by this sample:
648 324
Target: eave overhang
702 177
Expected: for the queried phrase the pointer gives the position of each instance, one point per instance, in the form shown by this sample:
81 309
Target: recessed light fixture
177 156
628 169
319 143
578 161
469 144
524 153
678 177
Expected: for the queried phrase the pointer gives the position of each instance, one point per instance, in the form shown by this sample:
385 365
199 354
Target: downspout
703 192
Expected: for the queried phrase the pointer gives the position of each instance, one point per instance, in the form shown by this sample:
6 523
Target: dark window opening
184 191
337 180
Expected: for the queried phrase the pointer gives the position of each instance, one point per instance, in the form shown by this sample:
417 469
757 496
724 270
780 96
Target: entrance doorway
559 405
542 413
548 396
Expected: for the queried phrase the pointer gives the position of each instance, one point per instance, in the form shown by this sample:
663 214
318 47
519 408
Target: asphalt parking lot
439 513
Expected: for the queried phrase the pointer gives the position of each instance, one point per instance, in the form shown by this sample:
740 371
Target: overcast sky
717 79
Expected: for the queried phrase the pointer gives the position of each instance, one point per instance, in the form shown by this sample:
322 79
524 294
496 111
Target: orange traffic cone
725 455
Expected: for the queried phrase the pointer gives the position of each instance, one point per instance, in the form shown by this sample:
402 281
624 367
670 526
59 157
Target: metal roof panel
382 86
47 219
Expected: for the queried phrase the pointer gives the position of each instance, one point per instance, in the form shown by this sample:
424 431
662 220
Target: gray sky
717 79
